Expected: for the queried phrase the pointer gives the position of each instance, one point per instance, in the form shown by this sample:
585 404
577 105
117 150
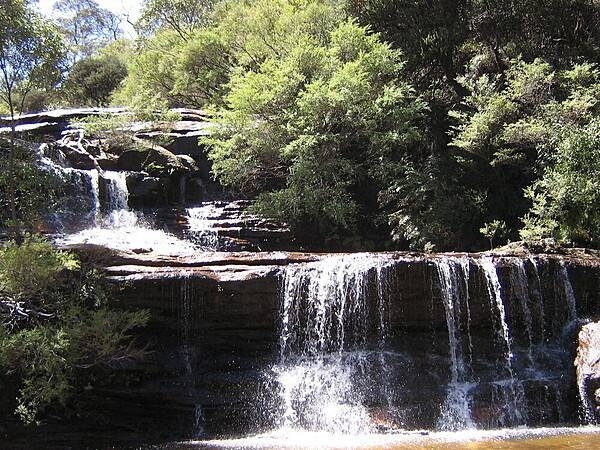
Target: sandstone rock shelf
216 323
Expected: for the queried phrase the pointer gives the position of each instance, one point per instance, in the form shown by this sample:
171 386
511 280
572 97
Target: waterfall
94 182
116 188
539 311
201 226
452 273
80 201
327 357
520 290
495 296
344 365
117 213
508 393
83 201
567 288
187 311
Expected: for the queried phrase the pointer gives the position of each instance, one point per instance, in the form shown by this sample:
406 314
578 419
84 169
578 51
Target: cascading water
329 338
94 209
453 277
117 194
566 289
508 392
520 290
344 368
495 296
187 314
119 227
80 201
568 292
201 227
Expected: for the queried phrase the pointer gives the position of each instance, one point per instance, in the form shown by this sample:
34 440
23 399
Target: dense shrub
56 326
92 80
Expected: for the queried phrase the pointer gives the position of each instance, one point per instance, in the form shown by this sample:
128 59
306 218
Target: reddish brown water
584 438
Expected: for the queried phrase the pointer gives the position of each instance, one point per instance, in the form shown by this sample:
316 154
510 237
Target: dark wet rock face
424 340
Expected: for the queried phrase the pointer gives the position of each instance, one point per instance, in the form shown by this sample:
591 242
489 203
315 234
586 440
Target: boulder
188 163
588 370
160 161
78 158
108 161
152 159
118 143
132 160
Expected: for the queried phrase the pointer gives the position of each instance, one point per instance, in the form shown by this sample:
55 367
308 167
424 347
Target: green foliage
429 33
510 128
493 229
318 129
172 72
202 69
501 111
86 27
326 124
35 190
566 198
181 16
56 328
92 81
189 59
31 53
30 57
269 29
119 126
32 268
150 79
429 207
38 354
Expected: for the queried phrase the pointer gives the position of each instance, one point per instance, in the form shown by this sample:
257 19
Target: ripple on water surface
521 438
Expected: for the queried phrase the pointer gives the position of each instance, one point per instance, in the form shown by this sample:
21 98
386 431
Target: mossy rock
155 160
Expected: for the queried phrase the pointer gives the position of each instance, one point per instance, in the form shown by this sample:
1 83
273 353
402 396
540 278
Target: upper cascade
127 192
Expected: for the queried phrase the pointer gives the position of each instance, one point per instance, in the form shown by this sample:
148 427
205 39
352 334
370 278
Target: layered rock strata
498 352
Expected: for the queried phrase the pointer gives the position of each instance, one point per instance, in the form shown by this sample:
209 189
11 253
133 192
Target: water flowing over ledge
362 343
327 345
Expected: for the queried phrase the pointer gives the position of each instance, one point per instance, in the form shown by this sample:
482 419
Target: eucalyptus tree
31 56
181 16
86 26
91 81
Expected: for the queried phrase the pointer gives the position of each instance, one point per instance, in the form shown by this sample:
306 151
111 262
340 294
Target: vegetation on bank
58 333
368 124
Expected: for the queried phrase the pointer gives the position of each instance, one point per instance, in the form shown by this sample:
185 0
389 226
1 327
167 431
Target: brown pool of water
586 438
564 442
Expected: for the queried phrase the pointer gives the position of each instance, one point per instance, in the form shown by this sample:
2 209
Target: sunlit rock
588 371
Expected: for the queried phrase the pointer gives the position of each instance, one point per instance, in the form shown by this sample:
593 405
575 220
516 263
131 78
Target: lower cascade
333 361
352 360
